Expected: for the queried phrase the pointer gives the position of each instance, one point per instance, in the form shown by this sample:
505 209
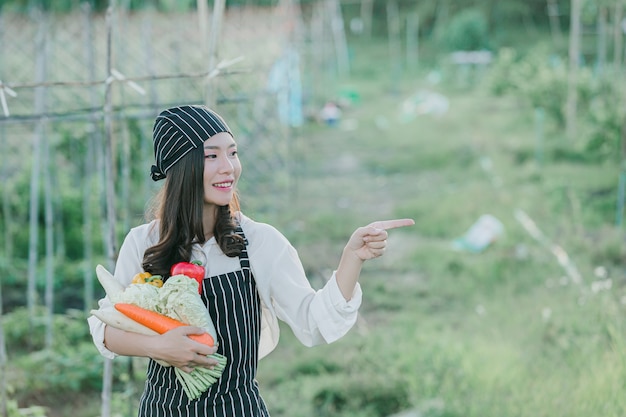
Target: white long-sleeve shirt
316 317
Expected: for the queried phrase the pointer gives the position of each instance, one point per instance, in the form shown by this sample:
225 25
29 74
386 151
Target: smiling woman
253 275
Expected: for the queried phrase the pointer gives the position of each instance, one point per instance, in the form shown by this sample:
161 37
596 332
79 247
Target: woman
253 274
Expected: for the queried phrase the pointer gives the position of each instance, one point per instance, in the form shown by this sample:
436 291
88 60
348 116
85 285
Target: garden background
452 112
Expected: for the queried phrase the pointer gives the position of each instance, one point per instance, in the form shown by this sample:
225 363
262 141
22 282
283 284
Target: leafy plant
362 396
69 329
540 78
468 31
606 117
63 371
14 410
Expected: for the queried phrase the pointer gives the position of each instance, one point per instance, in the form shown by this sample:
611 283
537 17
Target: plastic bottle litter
486 230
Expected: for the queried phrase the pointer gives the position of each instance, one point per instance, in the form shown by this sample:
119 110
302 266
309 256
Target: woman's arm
173 347
315 317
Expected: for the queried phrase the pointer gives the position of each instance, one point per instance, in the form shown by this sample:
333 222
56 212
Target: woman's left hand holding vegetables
176 348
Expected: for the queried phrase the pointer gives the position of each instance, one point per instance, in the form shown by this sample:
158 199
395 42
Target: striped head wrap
179 130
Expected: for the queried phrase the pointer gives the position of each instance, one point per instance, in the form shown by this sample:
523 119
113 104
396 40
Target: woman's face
221 169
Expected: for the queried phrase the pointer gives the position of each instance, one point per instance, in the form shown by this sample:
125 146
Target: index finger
392 224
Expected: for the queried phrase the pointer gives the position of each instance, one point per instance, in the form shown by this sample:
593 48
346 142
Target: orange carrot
160 323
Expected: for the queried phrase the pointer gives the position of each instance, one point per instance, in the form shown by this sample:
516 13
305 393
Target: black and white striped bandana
179 130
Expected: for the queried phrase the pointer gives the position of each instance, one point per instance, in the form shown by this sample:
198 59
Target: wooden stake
601 25
216 28
39 105
367 8
617 34
553 16
412 41
109 196
574 57
339 37
4 406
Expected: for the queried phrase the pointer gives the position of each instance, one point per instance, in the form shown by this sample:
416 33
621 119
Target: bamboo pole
49 239
109 185
109 196
621 196
89 162
339 37
39 105
367 8
216 28
395 45
572 80
4 411
153 99
4 406
412 41
618 15
601 41
125 173
4 175
553 16
123 132
318 52
203 21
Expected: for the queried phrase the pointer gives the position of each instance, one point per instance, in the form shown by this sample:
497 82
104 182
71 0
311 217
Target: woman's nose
226 164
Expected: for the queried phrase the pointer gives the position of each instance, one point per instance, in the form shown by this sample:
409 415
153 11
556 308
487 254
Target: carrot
160 323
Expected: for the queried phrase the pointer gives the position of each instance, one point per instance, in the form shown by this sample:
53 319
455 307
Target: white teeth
223 184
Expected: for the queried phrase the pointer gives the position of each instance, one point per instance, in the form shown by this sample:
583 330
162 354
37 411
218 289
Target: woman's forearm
348 273
127 343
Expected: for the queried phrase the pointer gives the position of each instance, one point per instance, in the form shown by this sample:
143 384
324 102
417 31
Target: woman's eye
234 153
210 156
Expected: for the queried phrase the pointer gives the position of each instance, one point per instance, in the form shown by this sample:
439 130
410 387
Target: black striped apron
235 307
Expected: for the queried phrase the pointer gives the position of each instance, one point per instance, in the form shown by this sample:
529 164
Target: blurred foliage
364 396
434 16
540 78
72 365
27 334
14 410
64 6
467 31
66 369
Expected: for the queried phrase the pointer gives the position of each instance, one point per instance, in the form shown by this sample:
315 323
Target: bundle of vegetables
150 310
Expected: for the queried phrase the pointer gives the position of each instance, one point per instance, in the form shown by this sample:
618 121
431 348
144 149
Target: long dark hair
178 207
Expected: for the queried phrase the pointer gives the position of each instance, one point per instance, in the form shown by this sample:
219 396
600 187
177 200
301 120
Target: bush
363 397
69 329
72 369
540 78
467 31
606 117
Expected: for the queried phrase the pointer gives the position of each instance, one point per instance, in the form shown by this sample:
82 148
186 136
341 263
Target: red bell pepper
193 269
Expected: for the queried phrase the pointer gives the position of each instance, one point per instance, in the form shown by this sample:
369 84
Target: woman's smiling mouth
226 184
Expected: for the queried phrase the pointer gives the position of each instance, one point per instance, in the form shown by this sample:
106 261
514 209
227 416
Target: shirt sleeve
315 317
96 328
129 262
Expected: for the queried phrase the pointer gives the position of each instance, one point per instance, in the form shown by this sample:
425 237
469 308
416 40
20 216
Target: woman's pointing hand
370 241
